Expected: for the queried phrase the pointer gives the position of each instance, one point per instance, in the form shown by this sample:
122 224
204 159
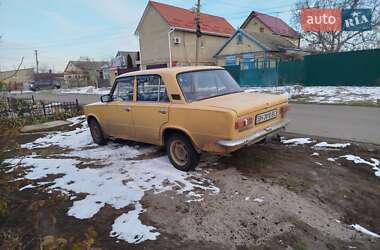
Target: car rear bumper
257 136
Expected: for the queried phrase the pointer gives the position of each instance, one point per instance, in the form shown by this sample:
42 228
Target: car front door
151 110
118 113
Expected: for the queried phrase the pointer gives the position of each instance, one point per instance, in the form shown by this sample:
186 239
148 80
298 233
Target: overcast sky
63 30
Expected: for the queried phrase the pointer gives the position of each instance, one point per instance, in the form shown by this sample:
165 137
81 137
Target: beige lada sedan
190 110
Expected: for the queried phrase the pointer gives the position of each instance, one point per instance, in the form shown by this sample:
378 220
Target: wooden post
43 106
33 99
77 104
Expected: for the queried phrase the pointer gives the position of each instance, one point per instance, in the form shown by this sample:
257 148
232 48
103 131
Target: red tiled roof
183 18
274 23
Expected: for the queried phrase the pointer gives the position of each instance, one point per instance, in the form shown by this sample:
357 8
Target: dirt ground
272 196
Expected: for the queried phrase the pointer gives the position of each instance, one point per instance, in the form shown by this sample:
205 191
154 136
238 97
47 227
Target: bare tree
15 72
339 40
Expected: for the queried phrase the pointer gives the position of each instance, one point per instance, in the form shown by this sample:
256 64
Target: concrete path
44 126
342 122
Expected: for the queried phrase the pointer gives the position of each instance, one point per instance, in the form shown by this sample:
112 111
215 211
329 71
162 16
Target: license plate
263 117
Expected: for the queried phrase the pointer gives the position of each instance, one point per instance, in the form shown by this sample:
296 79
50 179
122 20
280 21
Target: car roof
174 70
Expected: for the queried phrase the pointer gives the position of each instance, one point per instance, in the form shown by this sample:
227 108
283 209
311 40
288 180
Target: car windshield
198 85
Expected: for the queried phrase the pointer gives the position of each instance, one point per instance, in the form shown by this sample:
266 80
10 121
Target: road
342 122
360 124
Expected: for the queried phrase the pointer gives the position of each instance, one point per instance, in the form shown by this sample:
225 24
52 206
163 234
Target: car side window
124 89
151 89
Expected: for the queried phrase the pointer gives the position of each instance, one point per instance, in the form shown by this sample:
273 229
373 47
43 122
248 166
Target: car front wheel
97 132
181 152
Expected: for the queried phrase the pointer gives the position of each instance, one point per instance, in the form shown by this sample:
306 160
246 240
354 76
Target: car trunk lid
244 103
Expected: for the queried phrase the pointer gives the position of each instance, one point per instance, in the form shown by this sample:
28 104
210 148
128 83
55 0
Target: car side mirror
106 98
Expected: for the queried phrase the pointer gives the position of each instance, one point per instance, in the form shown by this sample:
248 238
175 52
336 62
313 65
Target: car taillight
243 122
284 109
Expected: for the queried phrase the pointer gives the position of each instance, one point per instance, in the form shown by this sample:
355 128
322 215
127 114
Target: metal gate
259 73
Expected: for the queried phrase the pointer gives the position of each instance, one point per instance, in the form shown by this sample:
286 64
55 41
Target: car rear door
118 113
151 109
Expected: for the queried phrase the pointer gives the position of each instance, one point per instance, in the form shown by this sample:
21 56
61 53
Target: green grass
299 245
294 183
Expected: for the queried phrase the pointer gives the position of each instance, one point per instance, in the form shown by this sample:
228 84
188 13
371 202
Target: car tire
97 132
182 153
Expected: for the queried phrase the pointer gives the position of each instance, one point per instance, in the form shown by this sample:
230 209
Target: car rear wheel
181 152
97 132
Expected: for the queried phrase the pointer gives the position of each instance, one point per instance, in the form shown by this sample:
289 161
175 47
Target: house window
106 74
248 57
261 29
123 90
151 89
239 39
230 60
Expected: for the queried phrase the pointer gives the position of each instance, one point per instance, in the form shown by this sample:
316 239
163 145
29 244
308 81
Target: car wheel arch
92 117
173 130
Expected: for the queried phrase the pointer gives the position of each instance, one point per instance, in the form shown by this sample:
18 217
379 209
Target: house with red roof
167 36
260 38
258 22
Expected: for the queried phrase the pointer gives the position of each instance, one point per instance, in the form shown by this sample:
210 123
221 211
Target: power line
287 6
246 13
76 42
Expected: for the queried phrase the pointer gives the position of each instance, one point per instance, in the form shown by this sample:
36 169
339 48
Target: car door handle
127 109
163 111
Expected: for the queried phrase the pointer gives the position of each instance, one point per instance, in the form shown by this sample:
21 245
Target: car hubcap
95 131
179 152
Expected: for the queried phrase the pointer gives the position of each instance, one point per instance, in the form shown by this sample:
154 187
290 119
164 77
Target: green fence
360 68
234 71
290 72
257 73
355 68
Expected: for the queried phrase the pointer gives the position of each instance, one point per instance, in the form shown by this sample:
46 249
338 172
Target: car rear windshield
198 85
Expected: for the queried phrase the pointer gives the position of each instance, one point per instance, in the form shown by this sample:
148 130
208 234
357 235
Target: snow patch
127 227
259 200
324 94
331 145
297 141
76 120
116 180
78 138
91 90
374 163
363 230
26 187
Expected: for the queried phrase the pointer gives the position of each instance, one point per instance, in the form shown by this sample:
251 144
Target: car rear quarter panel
256 127
204 125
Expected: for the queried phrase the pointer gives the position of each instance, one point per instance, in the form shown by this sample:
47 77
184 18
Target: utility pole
198 31
36 53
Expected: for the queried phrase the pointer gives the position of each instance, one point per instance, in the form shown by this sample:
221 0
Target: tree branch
15 72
